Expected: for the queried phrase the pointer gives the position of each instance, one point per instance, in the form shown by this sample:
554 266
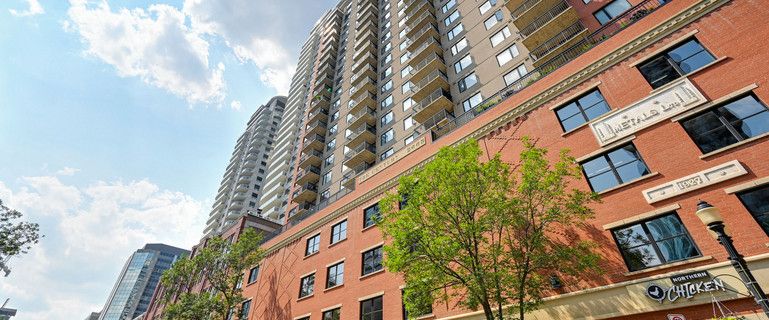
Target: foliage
219 265
16 237
482 234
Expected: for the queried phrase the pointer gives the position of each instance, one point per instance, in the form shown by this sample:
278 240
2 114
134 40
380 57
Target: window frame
373 262
755 215
367 217
665 56
337 276
725 122
316 245
338 232
581 109
302 286
372 301
612 167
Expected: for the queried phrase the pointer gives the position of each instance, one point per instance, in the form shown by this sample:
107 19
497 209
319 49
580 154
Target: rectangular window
245 308
408 103
331 145
500 36
326 179
515 74
486 6
585 108
329 160
405 57
408 123
611 11
386 102
387 118
339 232
335 275
455 31
492 21
372 260
307 286
462 63
253 274
473 101
406 87
507 55
446 7
459 46
467 82
721 126
387 137
655 242
615 167
371 309
386 154
757 203
387 86
370 215
451 18
332 314
675 62
313 245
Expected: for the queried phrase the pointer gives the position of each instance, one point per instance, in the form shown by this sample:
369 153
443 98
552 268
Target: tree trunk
487 310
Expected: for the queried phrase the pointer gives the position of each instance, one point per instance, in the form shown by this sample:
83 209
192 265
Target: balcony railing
629 17
544 18
558 40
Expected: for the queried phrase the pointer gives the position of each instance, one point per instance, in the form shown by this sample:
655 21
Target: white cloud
67 171
154 44
33 8
89 232
235 105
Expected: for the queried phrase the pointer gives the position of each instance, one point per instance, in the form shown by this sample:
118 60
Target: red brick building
667 108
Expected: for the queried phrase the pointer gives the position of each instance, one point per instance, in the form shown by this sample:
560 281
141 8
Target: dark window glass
757 203
584 109
313 245
339 232
611 11
655 242
614 168
735 121
307 286
675 62
332 314
371 309
372 260
370 216
253 274
244 309
335 275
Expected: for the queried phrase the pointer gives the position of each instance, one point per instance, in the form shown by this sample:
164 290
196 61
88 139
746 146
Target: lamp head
708 214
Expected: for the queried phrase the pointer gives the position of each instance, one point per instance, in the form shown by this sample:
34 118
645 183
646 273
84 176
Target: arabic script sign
677 98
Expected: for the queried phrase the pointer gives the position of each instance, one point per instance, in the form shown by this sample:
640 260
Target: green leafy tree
16 237
483 234
218 268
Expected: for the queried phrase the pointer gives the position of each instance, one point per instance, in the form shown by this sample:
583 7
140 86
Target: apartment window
655 242
410 139
240 283
386 154
387 118
329 160
615 167
332 314
313 245
674 63
473 101
387 137
372 260
406 87
507 55
451 18
515 74
735 121
585 108
307 286
370 215
386 36
251 204
459 46
467 82
245 308
500 36
403 45
455 31
408 123
334 116
405 71
757 203
339 232
611 11
486 6
387 72
326 179
331 144
335 275
405 57
402 33
253 274
407 104
492 21
387 86
332 130
446 7
463 63
387 102
371 309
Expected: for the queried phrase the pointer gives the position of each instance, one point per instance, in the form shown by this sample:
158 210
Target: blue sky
116 122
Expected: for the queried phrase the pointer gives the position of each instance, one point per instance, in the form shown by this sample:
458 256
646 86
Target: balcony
317 127
557 44
418 7
434 103
324 81
366 115
326 71
315 142
330 38
244 180
423 68
305 193
357 136
246 173
239 196
348 179
416 24
302 209
363 153
367 100
366 61
328 50
367 12
547 24
366 25
319 103
360 53
365 86
432 82
427 32
431 45
236 205
363 37
368 72
317 115
312 158
310 174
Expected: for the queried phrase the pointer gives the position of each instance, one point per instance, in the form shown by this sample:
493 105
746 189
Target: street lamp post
711 217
